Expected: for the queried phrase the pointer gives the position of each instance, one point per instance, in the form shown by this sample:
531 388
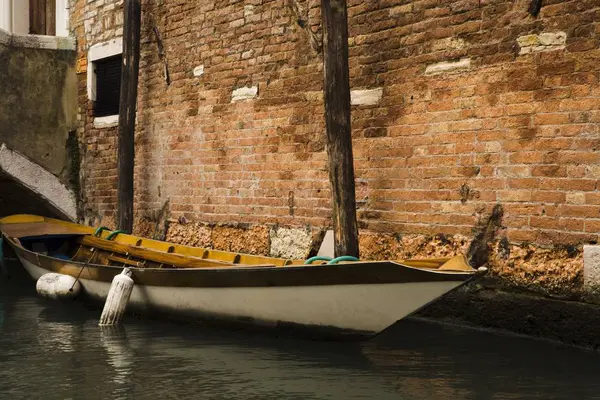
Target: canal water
54 351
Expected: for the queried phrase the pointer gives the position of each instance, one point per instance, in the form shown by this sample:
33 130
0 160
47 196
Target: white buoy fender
57 286
118 296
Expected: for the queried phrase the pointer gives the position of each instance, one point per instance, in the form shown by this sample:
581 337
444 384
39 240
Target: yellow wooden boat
347 299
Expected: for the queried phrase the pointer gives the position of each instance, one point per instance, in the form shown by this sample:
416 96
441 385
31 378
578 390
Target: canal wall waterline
488 303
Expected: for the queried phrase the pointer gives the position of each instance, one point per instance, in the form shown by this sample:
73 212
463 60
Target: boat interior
69 241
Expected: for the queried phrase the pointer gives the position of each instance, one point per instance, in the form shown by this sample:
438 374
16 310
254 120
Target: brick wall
458 106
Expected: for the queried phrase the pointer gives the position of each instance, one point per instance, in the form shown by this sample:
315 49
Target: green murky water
53 351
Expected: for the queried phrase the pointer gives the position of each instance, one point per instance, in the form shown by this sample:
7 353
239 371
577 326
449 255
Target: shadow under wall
17 199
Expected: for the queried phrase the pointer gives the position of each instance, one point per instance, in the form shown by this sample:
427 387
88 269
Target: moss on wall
38 104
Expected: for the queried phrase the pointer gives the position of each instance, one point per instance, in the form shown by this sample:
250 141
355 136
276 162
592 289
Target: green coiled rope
110 236
113 234
317 258
329 259
342 258
99 230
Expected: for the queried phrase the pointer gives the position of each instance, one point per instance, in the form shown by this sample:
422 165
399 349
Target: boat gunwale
358 273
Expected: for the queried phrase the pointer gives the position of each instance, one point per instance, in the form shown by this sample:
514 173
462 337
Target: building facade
475 125
38 120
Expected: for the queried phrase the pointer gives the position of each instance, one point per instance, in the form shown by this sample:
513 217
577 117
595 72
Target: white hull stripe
367 308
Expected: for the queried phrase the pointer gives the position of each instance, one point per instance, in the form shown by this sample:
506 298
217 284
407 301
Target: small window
42 17
108 85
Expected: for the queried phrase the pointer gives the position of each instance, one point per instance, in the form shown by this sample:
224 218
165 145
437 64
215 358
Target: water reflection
120 357
452 362
45 344
56 336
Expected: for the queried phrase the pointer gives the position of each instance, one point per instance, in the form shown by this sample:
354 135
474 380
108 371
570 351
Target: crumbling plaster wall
39 161
38 106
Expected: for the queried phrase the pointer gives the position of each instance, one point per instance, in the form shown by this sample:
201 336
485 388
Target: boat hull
350 310
336 299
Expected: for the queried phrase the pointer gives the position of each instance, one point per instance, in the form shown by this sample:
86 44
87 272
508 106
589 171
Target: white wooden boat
345 299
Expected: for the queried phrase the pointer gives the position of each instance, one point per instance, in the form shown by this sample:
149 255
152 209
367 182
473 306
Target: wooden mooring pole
339 134
127 109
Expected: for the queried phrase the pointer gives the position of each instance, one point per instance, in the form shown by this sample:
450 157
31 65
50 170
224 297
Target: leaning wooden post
127 109
339 134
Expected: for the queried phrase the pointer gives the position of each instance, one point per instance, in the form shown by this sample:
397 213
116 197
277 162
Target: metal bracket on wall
162 55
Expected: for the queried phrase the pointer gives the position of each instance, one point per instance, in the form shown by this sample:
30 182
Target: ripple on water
54 351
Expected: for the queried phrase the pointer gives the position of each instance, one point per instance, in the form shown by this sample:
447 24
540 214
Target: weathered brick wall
471 103
94 22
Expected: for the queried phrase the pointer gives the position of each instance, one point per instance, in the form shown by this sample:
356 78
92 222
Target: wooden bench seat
157 256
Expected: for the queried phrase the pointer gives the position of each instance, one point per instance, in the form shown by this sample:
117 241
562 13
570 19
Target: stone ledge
545 41
294 243
591 271
109 121
448 66
37 41
244 93
366 97
199 70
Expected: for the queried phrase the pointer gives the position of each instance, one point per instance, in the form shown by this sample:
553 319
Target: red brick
514 195
569 224
547 196
551 119
592 225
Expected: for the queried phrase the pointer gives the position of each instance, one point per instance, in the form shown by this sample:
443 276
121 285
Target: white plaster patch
365 97
448 66
450 43
244 93
38 180
109 121
290 242
199 70
546 41
248 10
591 271
575 198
